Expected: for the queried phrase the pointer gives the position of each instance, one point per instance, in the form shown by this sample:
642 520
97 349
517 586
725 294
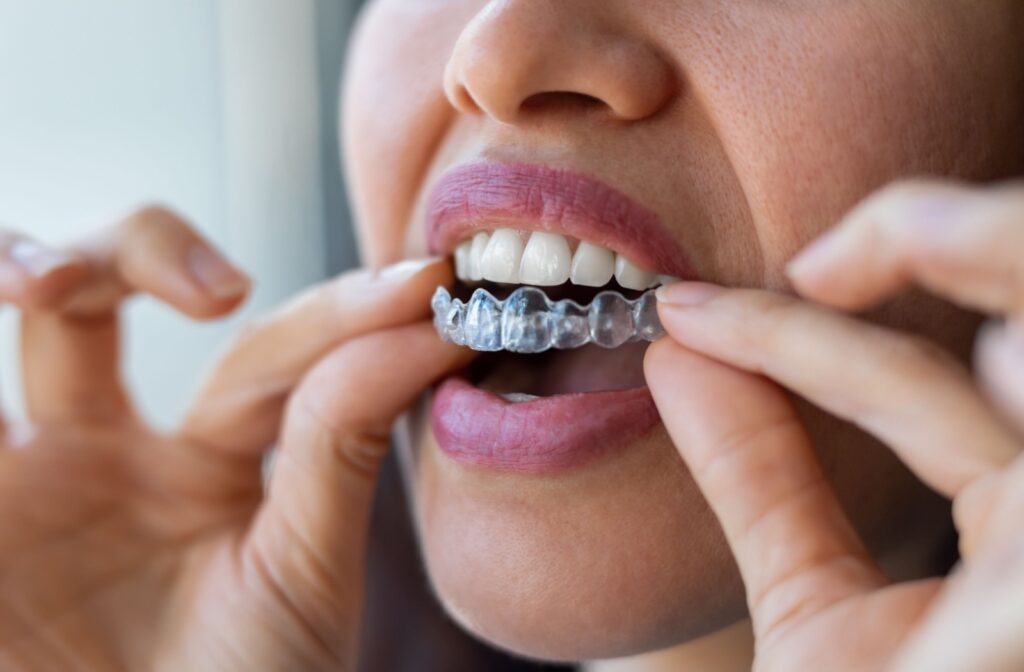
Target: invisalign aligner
529 322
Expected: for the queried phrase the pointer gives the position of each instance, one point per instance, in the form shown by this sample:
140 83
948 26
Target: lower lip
481 429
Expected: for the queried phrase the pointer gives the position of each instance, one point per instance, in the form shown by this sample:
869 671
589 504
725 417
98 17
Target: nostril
464 101
562 100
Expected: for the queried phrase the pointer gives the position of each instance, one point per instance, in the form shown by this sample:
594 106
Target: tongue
587 369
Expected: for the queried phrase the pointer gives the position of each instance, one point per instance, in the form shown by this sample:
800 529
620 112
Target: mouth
574 260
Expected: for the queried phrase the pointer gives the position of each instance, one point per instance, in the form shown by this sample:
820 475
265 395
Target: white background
211 107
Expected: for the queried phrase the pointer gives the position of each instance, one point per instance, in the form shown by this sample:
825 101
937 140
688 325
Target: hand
123 548
818 601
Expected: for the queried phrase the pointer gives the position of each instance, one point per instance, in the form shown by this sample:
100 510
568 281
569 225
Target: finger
70 351
991 510
239 408
156 252
972 512
309 541
904 391
966 244
36 276
979 508
999 358
795 548
976 622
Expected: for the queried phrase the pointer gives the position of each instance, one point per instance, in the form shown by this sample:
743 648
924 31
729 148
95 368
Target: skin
749 128
125 548
131 548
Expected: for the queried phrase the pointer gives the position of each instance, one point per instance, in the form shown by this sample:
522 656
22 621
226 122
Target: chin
616 557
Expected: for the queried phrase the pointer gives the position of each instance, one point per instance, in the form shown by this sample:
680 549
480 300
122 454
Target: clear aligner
529 322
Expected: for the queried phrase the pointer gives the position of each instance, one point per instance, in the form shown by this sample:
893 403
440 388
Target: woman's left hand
816 597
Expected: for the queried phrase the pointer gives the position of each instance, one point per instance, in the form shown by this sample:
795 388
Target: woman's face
731 133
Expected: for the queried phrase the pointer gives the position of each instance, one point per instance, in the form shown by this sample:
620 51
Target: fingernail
816 255
930 213
404 270
687 293
1012 338
37 260
215 274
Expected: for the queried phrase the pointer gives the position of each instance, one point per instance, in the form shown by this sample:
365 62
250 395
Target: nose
516 57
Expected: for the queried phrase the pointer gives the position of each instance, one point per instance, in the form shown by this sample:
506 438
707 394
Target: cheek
818 110
394 112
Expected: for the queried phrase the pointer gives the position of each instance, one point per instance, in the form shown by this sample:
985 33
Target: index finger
905 391
963 243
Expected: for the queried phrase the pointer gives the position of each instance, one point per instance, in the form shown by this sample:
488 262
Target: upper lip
488 195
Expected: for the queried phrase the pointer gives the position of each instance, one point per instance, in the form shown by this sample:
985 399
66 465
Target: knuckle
914 360
361 455
150 217
779 317
355 445
249 333
972 510
969 506
734 453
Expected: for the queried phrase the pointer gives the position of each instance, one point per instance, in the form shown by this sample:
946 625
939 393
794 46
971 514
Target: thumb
745 447
310 537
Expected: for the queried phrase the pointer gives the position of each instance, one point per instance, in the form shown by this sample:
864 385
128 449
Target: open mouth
532 320
555 285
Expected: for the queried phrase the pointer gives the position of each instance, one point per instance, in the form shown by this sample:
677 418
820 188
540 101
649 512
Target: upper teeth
546 260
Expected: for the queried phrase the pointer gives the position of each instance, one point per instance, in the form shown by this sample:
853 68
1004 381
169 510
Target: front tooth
500 261
592 265
547 260
476 253
611 320
482 322
462 254
667 279
631 276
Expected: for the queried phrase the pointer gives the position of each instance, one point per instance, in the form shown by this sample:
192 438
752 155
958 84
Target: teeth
570 325
476 253
632 276
592 265
546 260
482 326
529 322
526 321
462 255
611 319
501 257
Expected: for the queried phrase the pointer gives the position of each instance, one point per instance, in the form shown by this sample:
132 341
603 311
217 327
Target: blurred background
226 111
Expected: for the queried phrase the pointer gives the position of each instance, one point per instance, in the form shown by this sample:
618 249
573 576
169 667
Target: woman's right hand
818 600
125 548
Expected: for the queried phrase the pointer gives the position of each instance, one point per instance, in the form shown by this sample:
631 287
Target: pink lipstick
539 198
480 428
